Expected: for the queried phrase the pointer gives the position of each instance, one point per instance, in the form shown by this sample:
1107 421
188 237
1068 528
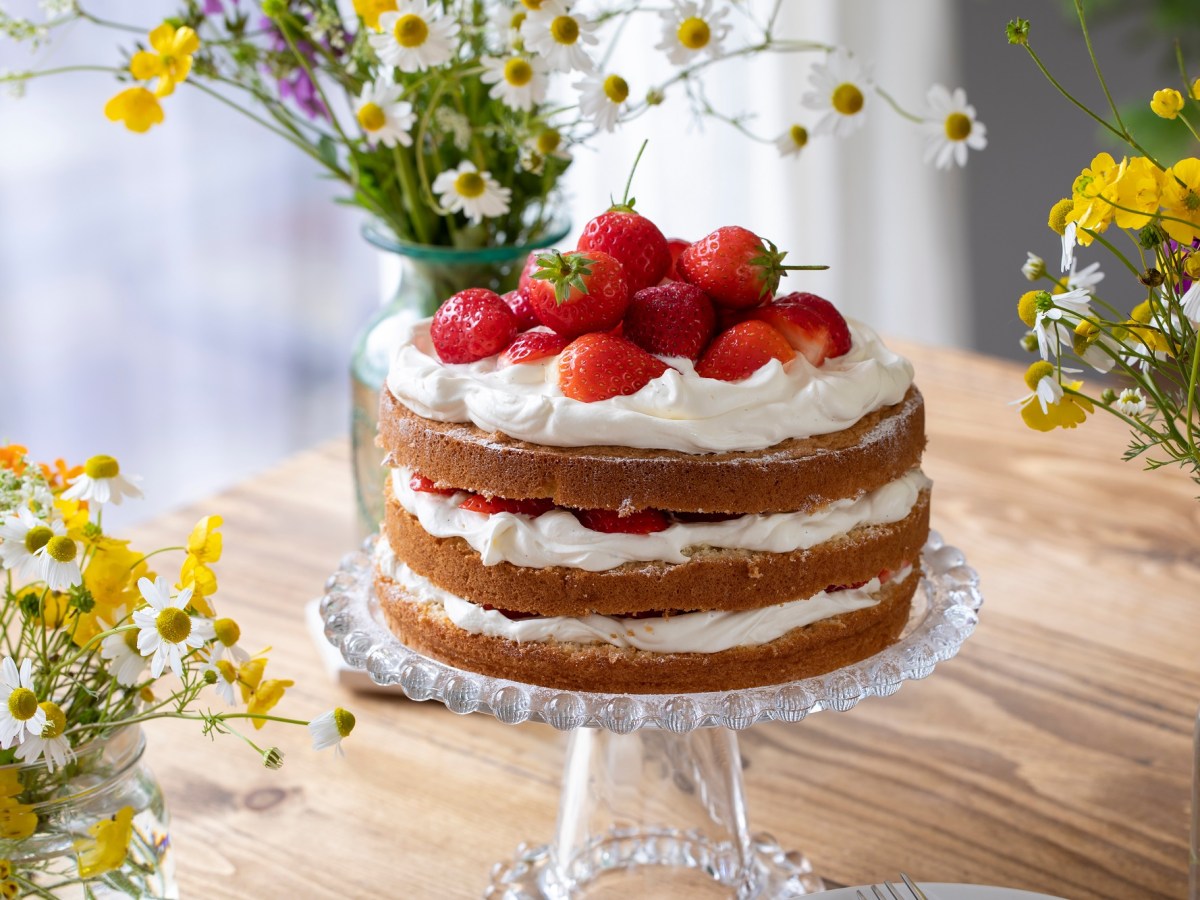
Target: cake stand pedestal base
653 814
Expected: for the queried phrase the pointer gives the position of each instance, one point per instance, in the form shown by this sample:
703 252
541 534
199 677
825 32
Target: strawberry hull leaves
575 293
735 267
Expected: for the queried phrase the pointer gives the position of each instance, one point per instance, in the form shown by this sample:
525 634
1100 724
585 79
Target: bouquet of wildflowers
1146 213
451 122
98 637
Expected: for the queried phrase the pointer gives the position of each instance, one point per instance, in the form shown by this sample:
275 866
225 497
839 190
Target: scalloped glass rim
945 612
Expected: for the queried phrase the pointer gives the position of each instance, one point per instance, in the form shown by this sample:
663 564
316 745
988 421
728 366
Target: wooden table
1053 754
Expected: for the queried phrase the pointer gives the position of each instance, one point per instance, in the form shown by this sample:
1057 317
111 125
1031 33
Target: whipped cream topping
694 632
677 411
556 538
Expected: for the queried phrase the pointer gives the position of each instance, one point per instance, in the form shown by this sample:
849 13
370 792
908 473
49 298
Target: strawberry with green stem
579 291
735 267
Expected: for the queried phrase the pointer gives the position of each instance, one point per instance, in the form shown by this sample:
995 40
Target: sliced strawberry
518 302
675 246
633 241
598 366
471 325
532 346
742 350
844 587
489 505
423 485
577 292
512 613
705 517
611 521
735 267
811 324
672 319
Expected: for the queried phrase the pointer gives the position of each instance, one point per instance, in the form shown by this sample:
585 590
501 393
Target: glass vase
428 275
94 828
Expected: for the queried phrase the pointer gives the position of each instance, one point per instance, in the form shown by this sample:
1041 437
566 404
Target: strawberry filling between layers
688 632
537 534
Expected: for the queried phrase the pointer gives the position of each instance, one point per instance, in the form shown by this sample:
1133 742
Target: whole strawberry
742 350
471 325
672 319
735 267
577 292
597 366
518 302
675 246
631 239
530 267
811 324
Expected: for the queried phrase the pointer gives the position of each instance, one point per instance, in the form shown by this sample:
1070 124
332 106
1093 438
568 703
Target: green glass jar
428 275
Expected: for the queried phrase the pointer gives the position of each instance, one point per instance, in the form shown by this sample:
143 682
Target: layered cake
648 474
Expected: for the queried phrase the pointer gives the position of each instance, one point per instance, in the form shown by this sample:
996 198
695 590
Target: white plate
935 891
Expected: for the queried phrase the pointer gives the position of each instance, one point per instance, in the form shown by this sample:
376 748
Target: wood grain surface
1053 754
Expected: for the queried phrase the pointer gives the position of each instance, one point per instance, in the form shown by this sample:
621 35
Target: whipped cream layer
677 411
694 632
556 538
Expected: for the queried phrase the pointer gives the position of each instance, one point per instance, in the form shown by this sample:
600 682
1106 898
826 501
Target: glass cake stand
652 799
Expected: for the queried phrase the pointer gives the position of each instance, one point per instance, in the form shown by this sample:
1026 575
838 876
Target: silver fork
914 891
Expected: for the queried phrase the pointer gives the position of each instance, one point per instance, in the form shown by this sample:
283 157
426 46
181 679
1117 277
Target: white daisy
792 141
226 680
517 82
415 37
57 563
1034 268
602 100
102 482
227 635
1048 390
558 36
691 29
506 26
1189 303
1085 280
952 128
1068 246
48 741
21 536
1131 402
20 715
840 90
166 631
121 650
330 728
1051 326
383 116
475 193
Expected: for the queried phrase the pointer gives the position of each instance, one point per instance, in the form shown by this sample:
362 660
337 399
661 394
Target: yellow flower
60 474
1181 200
260 696
53 610
371 10
204 542
1196 89
136 107
172 60
109 845
1094 193
12 458
1138 188
113 572
17 821
1070 410
202 581
75 517
1167 103
1150 335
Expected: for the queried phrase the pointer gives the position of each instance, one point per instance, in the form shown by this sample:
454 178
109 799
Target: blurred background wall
187 299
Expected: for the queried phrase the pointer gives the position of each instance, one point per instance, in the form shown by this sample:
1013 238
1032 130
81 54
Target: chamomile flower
516 82
166 631
21 536
1050 322
840 90
691 29
1189 303
226 681
1044 380
20 714
602 100
1053 404
792 141
227 635
1131 402
48 741
415 37
477 194
1034 268
951 128
121 650
1085 279
330 728
558 36
1068 246
383 116
506 25
57 563
102 482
